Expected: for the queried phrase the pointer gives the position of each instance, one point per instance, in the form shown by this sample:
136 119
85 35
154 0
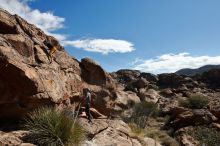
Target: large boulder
94 74
170 80
125 100
136 85
183 118
126 75
149 95
140 83
149 77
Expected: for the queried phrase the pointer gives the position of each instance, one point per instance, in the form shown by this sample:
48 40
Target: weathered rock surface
112 132
13 138
192 117
185 139
170 80
94 74
28 79
125 100
125 76
149 95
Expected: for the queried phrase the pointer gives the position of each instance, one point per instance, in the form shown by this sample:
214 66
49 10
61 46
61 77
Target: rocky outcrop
28 79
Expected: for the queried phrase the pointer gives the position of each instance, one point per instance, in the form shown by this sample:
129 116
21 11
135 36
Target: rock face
28 79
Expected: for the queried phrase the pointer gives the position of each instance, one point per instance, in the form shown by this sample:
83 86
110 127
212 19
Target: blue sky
150 35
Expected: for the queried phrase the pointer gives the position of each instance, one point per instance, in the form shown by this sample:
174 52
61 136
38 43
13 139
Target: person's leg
88 112
52 51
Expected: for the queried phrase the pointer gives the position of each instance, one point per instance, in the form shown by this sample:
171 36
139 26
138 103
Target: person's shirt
88 98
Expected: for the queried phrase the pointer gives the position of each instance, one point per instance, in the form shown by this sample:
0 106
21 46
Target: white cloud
47 21
103 46
168 63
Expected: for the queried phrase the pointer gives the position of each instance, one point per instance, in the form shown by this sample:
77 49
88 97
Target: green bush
51 127
195 102
141 112
206 136
161 136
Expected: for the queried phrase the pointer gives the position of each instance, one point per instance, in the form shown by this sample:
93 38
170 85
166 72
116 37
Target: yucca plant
51 127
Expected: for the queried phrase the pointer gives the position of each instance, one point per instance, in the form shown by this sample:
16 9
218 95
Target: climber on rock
47 46
51 49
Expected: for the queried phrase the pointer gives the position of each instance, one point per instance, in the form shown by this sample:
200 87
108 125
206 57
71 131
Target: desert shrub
141 112
169 141
194 102
52 127
161 136
206 136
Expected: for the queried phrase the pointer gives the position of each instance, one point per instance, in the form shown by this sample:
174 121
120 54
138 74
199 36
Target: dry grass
153 130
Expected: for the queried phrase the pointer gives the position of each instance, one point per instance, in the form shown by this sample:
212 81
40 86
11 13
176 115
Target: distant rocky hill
191 72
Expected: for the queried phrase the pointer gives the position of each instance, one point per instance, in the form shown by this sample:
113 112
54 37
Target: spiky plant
51 127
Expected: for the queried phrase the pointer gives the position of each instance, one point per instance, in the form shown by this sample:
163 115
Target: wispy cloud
49 23
137 60
168 63
103 46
